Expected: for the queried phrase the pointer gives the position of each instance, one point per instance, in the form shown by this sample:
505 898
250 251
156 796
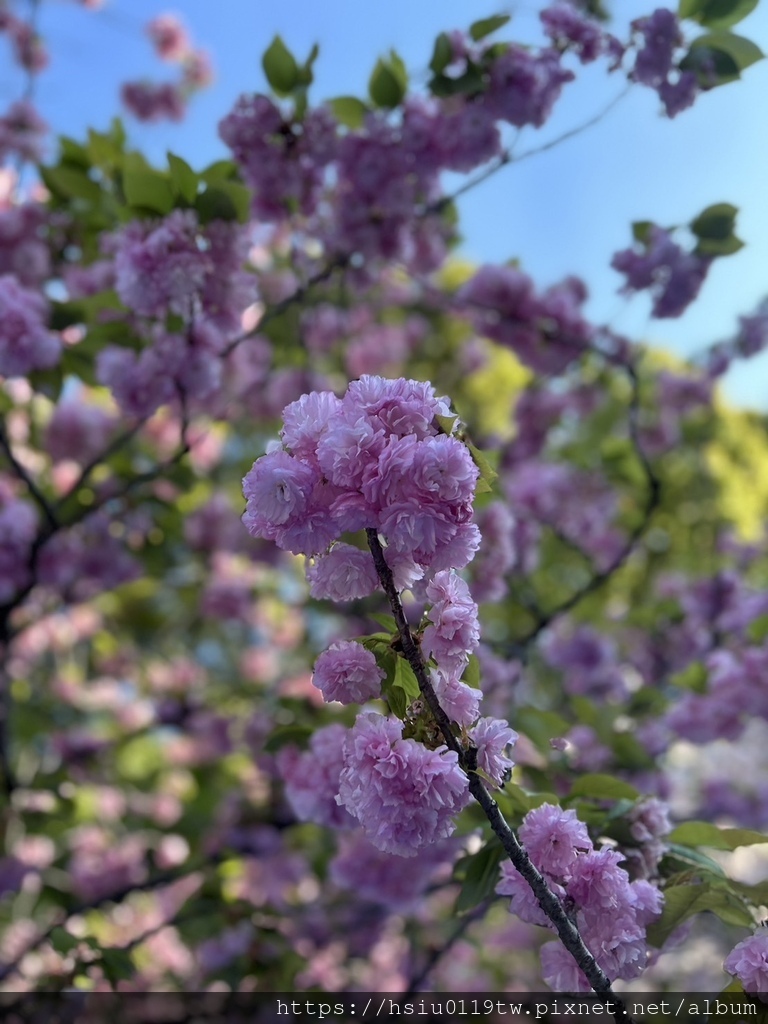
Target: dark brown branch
114 446
652 498
549 903
437 954
20 471
119 896
322 275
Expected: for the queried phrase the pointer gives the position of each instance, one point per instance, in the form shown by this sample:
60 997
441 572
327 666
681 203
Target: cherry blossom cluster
26 45
656 63
22 132
547 331
174 266
748 961
610 912
673 276
26 344
22 251
376 458
160 101
18 528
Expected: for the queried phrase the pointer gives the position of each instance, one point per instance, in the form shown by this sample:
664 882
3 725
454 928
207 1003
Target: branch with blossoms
468 759
386 454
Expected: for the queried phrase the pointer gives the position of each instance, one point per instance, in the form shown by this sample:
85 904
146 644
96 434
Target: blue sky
565 211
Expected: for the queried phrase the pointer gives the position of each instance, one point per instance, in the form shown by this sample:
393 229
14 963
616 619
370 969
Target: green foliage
388 83
442 54
148 192
686 900
716 14
602 787
349 110
184 181
719 57
280 67
714 230
487 26
704 833
478 874
224 200
487 473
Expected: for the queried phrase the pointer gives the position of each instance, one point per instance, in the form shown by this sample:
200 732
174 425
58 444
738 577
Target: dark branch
40 499
652 498
549 903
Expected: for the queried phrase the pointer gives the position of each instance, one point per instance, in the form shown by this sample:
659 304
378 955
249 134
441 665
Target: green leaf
280 67
62 941
394 695
472 672
219 170
641 230
406 681
486 26
442 54
49 382
468 84
692 858
72 152
446 423
743 51
603 787
756 893
694 678
140 758
716 222
226 200
719 57
288 735
386 621
703 833
183 178
349 110
716 13
714 228
478 874
515 801
306 75
683 901
117 964
148 190
540 726
71 182
388 83
487 473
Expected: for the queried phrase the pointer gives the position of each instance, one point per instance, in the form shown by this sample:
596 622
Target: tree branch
40 499
549 903
652 498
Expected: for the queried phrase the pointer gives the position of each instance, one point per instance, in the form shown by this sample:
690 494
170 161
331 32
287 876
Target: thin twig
508 157
577 130
119 896
114 446
339 263
437 954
